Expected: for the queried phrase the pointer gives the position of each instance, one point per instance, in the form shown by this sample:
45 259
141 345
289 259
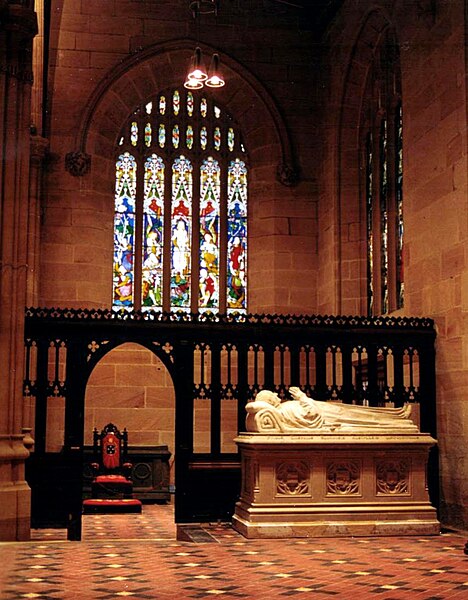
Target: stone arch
351 238
271 166
160 66
132 384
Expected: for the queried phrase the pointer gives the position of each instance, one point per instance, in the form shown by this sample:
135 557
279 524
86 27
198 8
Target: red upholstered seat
111 479
112 487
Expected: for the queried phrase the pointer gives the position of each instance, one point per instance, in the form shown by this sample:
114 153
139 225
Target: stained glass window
189 137
203 138
369 224
176 102
175 136
382 139
162 135
134 133
181 232
237 236
190 104
180 225
210 191
217 138
399 200
230 139
383 216
153 233
148 134
124 229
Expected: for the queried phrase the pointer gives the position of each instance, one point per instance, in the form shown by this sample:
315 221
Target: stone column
17 30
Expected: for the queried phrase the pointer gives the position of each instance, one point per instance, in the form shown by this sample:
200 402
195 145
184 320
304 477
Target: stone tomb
334 484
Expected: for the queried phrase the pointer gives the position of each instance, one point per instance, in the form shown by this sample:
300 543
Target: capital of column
19 20
38 148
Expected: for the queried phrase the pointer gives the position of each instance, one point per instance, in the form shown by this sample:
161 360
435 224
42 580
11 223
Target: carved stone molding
287 174
392 477
39 147
77 163
344 478
292 479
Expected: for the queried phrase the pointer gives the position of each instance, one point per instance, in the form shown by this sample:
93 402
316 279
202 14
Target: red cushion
109 502
112 479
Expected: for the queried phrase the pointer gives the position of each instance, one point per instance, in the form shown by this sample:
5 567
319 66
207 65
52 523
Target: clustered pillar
17 30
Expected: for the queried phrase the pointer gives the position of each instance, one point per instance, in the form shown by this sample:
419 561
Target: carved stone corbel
77 163
287 174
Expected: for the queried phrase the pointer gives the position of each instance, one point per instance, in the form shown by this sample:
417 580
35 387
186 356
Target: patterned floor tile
138 557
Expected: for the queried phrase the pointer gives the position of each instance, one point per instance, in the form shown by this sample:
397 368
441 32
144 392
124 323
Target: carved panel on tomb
344 478
293 479
248 476
392 477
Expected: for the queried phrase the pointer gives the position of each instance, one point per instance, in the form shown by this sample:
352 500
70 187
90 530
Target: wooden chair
112 487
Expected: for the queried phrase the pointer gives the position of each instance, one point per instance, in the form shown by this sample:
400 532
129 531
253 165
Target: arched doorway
132 388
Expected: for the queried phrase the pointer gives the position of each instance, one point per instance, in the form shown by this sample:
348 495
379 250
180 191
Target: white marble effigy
359 479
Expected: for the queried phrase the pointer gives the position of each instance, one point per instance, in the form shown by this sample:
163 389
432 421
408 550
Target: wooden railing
359 360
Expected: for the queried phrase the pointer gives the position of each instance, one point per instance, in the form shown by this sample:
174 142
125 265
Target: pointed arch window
180 225
382 169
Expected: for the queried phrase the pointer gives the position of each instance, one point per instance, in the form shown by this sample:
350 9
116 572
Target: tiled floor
137 556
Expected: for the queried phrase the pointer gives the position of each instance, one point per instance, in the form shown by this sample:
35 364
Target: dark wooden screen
213 359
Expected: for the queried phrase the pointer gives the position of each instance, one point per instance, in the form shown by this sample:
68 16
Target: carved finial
287 174
77 163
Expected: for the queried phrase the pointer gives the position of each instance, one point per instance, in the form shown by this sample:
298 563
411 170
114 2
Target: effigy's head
268 396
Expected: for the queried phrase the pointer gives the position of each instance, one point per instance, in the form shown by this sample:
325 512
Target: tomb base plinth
334 485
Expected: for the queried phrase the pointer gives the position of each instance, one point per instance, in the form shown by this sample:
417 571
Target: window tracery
180 225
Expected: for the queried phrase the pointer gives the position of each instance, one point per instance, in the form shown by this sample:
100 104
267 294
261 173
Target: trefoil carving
392 477
343 478
292 478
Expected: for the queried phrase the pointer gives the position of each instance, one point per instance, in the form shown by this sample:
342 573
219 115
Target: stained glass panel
124 228
217 138
189 104
400 282
220 230
210 189
237 237
189 137
181 233
162 135
383 216
203 138
230 139
175 136
153 229
134 133
148 135
369 224
176 102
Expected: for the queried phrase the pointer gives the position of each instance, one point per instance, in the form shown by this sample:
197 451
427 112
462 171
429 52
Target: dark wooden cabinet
150 472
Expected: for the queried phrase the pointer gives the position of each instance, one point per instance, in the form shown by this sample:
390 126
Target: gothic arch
349 210
161 66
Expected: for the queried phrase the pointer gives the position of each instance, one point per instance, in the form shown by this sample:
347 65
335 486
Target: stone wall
106 58
433 65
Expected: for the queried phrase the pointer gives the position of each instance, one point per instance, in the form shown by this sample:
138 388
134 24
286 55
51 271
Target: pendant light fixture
197 76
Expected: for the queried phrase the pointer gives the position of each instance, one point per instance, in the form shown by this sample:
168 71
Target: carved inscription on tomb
343 478
392 477
293 479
